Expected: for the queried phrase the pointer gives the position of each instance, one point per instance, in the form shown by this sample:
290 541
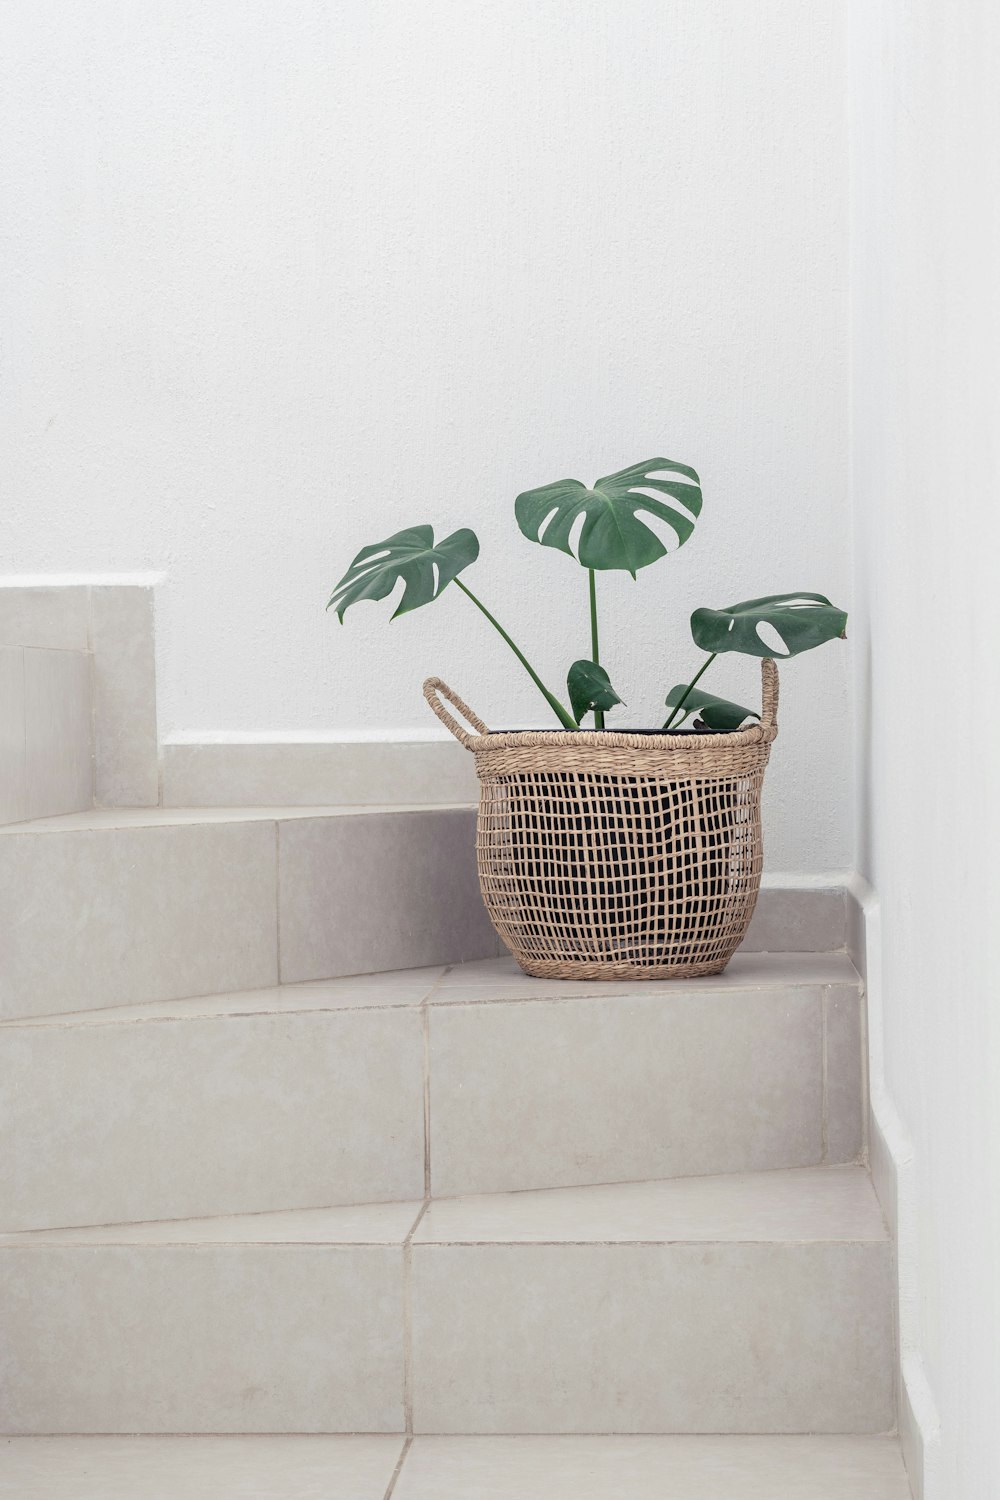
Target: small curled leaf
716 713
589 687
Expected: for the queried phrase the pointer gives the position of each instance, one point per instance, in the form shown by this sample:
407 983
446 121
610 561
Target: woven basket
618 856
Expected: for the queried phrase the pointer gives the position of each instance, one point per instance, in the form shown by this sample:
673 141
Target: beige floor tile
111 916
175 1119
182 817
56 615
618 1088
807 919
13 783
685 1338
385 891
197 1468
59 735
652 1468
819 1203
399 988
354 1224
501 979
201 1338
846 1079
126 745
429 772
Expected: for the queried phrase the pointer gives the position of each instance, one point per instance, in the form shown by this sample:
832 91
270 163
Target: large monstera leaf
792 623
427 568
614 534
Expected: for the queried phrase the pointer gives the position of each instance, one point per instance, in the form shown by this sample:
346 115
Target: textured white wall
926 420
286 278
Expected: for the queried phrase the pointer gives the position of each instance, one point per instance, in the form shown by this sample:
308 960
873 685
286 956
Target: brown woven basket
618 856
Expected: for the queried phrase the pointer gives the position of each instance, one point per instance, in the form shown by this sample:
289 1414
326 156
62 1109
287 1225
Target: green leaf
614 534
801 621
412 555
718 713
589 687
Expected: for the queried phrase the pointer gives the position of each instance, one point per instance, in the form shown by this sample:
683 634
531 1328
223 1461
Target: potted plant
613 853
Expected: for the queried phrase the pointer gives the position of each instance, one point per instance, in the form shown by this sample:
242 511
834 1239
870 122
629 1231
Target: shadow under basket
612 855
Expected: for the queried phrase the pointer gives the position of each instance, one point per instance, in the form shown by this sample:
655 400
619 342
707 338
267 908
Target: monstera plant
605 529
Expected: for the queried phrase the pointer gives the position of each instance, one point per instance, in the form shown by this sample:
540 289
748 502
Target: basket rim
610 739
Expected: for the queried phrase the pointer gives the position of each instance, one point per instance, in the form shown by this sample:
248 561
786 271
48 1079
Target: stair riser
205 1116
626 1088
707 1337
248 1338
118 916
107 917
747 1338
131 1120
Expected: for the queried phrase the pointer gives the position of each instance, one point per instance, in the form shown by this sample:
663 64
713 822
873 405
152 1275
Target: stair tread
455 1468
500 979
798 1204
802 1204
358 1224
100 818
489 981
653 1468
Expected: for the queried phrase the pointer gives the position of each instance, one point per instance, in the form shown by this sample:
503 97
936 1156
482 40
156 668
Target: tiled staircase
537 1240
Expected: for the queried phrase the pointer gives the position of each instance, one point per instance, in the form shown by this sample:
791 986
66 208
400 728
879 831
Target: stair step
652 1468
177 1110
113 906
109 906
755 1303
289 1322
555 1084
455 1468
308 1095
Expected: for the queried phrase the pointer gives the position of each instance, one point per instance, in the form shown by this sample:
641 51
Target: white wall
926 421
289 277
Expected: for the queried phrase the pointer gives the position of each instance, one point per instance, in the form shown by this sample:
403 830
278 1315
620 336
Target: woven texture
618 856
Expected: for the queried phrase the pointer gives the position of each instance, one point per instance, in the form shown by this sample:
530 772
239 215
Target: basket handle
432 687
769 694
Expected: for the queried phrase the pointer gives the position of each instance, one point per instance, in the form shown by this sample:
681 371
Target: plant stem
562 714
595 648
678 708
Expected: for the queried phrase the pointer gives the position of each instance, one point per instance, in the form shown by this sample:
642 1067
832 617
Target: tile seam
825 1096
277 900
407 1442
661 1244
408 1323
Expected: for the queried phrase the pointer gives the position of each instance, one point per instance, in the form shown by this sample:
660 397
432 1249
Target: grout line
408 1326
806 1434
425 1031
24 732
65 1020
93 695
825 1121
277 900
665 1243
399 1464
883 1435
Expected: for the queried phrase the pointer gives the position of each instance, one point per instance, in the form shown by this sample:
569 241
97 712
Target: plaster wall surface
926 475
285 279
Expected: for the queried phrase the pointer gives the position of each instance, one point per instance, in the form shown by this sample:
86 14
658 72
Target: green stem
562 714
595 648
678 708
